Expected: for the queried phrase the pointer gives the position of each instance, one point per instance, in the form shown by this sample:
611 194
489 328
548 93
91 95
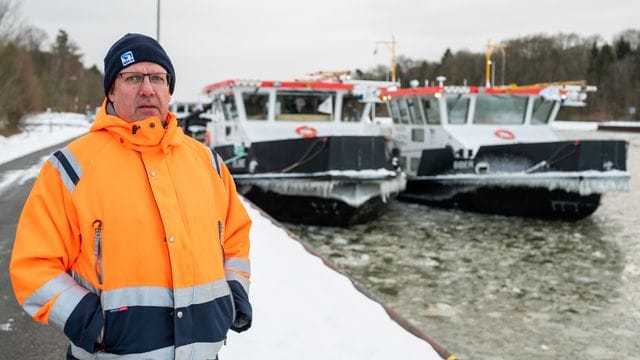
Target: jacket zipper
97 250
220 239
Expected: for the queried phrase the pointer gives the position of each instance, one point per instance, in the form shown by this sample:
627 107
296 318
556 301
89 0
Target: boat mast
392 45
490 47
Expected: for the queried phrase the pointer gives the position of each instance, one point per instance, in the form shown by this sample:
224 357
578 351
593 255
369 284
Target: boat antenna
489 80
392 46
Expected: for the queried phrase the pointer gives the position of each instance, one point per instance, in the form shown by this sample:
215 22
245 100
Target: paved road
20 336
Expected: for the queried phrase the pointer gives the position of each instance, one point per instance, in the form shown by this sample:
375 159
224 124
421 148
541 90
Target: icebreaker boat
493 150
309 151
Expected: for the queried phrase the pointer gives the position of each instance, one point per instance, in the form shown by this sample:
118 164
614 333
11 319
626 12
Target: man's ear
111 96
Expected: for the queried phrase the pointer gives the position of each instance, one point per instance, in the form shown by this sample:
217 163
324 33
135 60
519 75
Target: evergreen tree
623 48
446 56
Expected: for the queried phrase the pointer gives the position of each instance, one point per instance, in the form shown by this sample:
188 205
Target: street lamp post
158 22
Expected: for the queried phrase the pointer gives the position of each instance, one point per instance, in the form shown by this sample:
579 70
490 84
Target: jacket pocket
221 240
139 329
233 307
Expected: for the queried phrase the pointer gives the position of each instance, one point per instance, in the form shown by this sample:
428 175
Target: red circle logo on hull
306 131
504 134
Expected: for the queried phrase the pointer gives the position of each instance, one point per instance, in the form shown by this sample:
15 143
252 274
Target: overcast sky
212 40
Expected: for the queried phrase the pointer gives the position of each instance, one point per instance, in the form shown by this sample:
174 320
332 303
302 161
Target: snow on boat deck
304 309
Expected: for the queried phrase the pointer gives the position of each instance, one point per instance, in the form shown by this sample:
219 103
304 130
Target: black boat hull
311 210
332 180
515 201
560 176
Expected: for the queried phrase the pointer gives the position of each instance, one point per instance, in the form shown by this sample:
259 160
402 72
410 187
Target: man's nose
146 89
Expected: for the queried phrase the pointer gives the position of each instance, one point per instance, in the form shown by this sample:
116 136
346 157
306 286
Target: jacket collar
143 135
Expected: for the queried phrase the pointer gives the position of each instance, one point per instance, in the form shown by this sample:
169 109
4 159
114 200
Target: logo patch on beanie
127 58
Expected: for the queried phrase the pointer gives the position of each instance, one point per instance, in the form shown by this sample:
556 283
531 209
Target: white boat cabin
184 108
466 118
249 111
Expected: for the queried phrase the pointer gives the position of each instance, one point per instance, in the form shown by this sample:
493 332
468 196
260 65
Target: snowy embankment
305 310
575 125
41 131
302 308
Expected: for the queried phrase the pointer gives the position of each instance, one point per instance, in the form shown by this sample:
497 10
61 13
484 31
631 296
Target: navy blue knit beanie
131 49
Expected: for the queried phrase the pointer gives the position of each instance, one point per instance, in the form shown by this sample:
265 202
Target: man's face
134 102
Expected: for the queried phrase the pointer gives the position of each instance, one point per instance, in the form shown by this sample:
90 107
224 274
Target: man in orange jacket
133 241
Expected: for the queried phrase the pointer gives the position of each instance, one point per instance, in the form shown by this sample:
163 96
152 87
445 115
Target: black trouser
70 357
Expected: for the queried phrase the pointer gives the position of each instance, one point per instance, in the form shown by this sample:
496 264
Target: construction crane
392 46
490 47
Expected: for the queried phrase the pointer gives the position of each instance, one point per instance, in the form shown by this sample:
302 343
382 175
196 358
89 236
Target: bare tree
19 88
9 19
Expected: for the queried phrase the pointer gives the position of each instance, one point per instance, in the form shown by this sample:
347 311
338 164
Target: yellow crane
392 46
490 48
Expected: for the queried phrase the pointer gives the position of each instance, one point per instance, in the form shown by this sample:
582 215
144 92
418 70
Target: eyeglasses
136 78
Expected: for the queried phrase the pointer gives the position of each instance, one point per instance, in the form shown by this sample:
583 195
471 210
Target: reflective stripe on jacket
134 242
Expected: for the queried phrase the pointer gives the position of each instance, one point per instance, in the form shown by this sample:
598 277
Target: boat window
381 110
415 164
417 135
181 109
403 108
229 106
541 111
185 109
352 108
395 111
431 110
217 108
304 106
415 111
500 109
256 105
457 108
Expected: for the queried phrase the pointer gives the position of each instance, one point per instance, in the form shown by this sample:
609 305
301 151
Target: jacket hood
143 135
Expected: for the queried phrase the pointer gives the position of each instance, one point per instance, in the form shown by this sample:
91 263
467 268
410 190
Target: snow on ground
575 125
302 308
41 131
11 177
618 123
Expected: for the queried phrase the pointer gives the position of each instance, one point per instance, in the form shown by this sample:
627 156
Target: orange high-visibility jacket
134 241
